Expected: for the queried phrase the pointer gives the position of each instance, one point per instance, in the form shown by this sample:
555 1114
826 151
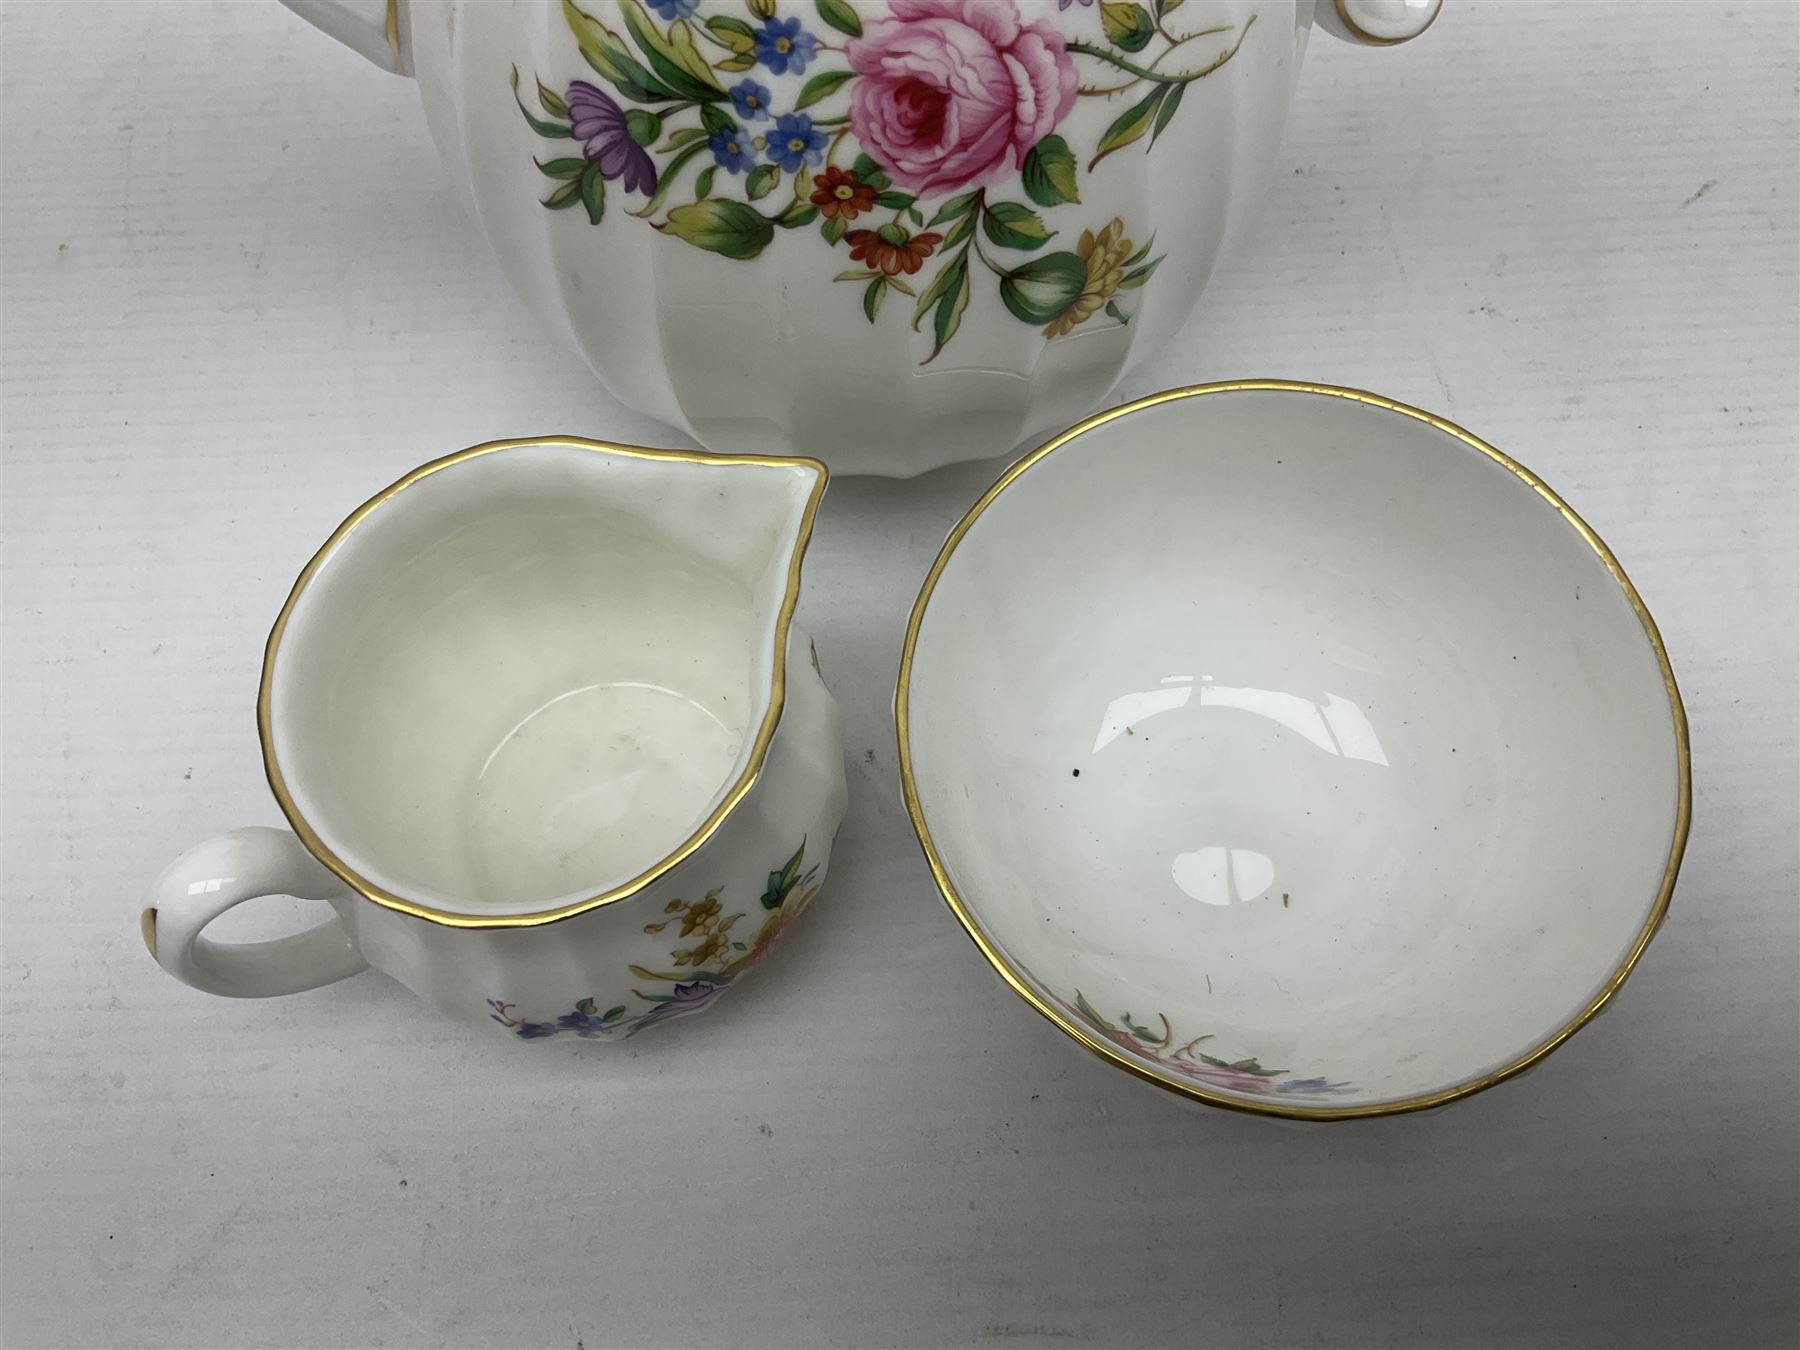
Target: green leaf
643 127
735 34
727 228
1044 287
739 947
552 101
1010 225
703 184
868 171
562 168
950 306
593 193
762 181
1142 253
675 59
872 298
797 212
959 231
607 53
551 130
666 181
687 52
894 201
840 15
586 1005
1135 279
612 1014
565 196
956 206
716 119
1112 308
1087 1010
1170 103
833 229
677 139
822 85
1166 7
1127 26
933 293
736 63
1049 172
1130 124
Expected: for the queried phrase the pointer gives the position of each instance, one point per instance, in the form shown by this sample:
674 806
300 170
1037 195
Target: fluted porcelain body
891 234
549 742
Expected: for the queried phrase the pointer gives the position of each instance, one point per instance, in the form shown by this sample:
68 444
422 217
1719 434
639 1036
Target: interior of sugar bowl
1293 749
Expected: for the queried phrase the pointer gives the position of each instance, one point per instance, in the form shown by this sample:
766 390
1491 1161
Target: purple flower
599 124
674 9
751 100
781 46
1064 4
687 998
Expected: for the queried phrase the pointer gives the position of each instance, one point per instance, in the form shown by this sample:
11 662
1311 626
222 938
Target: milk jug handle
208 880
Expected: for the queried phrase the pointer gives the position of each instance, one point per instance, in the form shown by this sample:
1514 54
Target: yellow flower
711 947
1105 254
701 916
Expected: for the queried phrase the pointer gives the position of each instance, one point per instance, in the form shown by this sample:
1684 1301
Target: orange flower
889 250
836 192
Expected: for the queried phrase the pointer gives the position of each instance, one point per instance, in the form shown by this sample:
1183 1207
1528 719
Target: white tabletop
239 296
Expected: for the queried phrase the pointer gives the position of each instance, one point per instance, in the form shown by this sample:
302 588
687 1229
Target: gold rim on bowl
1083 1035
704 831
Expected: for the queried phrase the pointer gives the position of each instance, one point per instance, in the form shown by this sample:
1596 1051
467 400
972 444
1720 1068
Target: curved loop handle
208 880
1377 23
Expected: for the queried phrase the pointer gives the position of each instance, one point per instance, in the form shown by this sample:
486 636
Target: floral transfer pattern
905 144
705 967
1244 1076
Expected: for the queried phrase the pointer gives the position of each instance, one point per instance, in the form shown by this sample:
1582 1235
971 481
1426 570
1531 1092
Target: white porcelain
1293 749
1055 180
555 753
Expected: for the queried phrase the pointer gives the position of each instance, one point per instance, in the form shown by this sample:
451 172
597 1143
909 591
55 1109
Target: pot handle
376 28
208 880
1376 23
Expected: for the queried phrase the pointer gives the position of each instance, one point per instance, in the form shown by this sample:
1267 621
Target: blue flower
732 151
781 46
531 1031
674 9
751 100
795 141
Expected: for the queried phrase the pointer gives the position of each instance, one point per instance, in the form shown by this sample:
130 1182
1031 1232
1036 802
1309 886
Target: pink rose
954 92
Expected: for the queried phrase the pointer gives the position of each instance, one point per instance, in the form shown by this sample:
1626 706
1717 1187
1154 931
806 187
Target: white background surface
239 297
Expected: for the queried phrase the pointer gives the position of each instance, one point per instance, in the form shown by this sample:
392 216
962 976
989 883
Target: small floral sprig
1190 1062
874 132
702 972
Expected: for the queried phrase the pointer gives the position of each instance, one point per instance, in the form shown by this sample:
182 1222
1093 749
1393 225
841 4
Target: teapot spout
376 28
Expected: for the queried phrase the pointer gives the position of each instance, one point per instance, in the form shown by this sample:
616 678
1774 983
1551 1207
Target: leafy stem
1103 90
987 262
1150 72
